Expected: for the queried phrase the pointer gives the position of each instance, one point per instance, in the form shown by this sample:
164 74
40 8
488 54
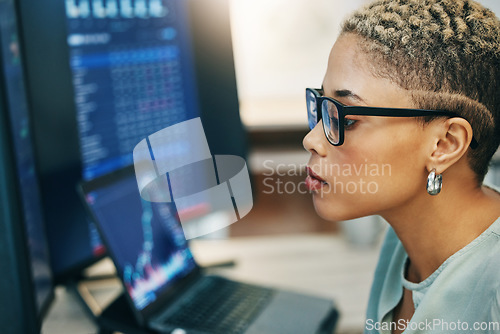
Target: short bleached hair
446 53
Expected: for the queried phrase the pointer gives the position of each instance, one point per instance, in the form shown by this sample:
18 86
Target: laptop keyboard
221 306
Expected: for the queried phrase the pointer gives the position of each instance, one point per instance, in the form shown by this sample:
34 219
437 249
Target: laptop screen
145 239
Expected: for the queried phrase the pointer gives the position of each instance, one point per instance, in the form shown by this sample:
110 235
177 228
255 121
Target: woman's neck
432 228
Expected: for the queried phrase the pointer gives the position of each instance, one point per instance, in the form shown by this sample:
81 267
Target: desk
318 264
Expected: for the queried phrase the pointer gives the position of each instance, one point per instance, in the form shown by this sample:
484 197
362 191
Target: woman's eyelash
348 123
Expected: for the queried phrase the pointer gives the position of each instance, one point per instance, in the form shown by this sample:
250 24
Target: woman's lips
313 181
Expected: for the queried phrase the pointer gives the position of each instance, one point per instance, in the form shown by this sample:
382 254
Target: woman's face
381 165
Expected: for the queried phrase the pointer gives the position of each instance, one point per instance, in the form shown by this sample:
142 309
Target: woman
430 70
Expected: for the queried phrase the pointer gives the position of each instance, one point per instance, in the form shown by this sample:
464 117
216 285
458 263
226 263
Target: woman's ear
452 140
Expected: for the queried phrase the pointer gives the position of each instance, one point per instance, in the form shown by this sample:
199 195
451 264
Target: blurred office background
251 63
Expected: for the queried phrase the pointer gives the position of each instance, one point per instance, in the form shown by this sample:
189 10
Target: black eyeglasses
333 114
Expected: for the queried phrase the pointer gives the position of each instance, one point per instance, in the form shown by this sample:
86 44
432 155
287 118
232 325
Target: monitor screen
133 74
145 239
17 108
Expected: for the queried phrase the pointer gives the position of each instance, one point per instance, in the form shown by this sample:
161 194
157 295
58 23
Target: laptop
167 290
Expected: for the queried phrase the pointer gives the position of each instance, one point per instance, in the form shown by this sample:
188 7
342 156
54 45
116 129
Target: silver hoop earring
434 182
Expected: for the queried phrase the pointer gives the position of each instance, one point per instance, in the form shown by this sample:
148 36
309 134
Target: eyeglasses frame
344 110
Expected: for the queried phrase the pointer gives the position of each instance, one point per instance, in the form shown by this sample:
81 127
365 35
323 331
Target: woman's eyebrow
347 93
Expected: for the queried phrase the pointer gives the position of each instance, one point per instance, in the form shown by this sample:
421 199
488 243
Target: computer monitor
26 282
102 76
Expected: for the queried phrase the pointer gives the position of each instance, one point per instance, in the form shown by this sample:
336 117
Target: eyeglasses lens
312 109
330 115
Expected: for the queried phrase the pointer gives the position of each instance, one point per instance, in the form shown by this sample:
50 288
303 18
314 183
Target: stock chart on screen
147 240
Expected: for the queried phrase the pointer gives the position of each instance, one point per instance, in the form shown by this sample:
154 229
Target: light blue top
461 296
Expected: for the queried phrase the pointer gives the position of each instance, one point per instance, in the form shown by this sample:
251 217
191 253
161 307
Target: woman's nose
315 141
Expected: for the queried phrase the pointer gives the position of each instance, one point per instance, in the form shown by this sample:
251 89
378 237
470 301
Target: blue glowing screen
133 74
145 239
